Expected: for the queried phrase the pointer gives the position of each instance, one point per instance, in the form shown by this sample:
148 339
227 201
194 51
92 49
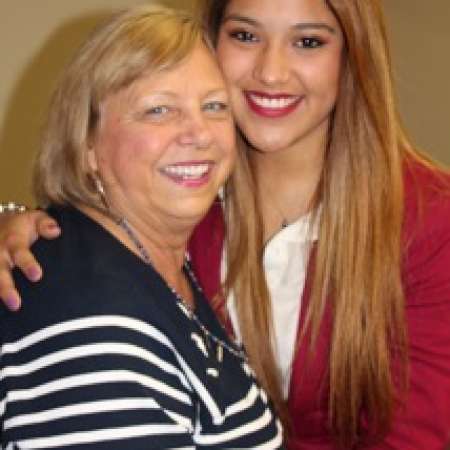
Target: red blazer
423 423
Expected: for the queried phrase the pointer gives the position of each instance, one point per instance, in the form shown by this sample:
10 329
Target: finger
26 262
21 257
47 227
8 293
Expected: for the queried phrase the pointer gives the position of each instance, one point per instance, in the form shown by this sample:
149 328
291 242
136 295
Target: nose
272 66
195 131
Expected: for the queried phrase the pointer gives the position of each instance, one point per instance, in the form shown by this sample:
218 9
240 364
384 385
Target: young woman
333 239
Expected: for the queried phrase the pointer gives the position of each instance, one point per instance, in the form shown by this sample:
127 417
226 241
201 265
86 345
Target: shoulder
427 201
426 185
86 272
74 249
427 232
61 259
69 259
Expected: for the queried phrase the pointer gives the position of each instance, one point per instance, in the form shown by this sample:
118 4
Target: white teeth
194 171
273 103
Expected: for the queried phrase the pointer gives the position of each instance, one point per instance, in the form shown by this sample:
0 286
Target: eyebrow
216 91
213 91
297 26
315 25
174 95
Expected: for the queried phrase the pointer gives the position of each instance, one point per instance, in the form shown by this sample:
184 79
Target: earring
98 184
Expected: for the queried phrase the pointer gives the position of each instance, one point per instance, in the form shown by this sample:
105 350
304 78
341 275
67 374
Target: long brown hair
357 268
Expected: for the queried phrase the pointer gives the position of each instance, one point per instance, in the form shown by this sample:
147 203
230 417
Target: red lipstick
272 105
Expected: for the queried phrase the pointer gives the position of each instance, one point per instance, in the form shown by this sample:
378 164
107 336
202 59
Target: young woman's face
282 62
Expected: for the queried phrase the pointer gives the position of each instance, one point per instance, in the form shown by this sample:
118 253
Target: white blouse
285 265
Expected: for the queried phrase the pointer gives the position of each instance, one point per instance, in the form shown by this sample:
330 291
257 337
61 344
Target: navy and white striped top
102 357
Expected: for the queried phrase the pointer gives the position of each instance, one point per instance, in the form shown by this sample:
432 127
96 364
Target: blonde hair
357 262
131 44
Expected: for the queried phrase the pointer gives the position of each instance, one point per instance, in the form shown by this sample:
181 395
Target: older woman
118 348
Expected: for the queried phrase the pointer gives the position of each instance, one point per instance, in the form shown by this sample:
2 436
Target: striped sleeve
95 382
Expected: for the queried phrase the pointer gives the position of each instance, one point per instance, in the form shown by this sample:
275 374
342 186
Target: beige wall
37 37
420 38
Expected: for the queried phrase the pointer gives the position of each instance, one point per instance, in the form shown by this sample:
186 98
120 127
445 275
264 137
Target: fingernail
53 228
33 273
12 303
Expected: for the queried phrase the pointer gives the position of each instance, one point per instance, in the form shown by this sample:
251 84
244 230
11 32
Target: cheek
322 75
225 137
334 67
123 152
231 153
233 63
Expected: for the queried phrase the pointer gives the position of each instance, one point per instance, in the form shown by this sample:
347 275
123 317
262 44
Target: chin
266 140
270 144
194 210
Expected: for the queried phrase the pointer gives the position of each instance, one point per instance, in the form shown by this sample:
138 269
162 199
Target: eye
215 106
156 111
309 42
243 36
160 113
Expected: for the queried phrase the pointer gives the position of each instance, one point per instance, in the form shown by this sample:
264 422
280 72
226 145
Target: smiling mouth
190 173
272 105
273 102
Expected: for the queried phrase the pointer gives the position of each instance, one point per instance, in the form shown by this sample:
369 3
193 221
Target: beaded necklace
182 304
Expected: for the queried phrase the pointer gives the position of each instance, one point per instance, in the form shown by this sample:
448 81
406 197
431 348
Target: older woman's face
166 143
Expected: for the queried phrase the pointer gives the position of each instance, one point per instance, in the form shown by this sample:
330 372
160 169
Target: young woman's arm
18 232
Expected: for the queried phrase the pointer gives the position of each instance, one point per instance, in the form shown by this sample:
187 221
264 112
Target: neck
287 181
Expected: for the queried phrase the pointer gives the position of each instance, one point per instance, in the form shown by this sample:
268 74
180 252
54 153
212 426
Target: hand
17 233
